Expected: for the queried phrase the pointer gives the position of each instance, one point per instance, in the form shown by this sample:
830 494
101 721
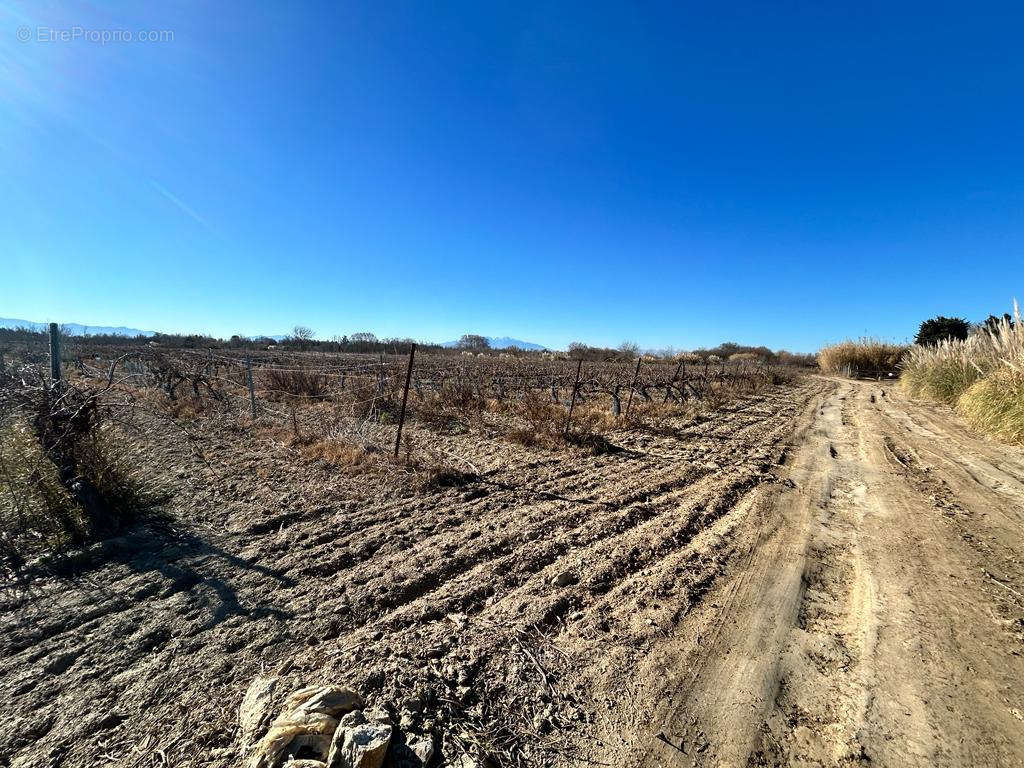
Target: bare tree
300 337
473 341
578 350
629 349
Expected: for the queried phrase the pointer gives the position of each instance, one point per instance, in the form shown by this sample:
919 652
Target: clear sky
673 173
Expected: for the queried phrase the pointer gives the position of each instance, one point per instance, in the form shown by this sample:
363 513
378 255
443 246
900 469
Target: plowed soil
821 574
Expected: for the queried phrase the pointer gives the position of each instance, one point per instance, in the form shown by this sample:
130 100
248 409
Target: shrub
453 407
940 329
297 383
993 324
785 357
540 421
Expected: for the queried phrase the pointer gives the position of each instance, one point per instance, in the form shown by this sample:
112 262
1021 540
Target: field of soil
823 573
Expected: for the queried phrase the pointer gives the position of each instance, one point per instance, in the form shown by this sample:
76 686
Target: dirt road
875 614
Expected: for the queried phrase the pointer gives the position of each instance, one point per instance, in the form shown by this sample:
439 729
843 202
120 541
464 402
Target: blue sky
672 173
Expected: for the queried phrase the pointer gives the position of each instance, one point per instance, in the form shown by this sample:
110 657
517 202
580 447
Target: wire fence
383 389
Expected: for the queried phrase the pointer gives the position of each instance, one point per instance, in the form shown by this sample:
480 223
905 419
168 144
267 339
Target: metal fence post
572 403
405 398
252 388
55 372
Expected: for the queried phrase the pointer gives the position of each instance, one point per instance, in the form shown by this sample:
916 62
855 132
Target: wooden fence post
674 379
405 398
572 402
632 386
252 388
55 372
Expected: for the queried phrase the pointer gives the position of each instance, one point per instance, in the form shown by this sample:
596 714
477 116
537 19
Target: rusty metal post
572 402
632 386
252 388
405 398
55 372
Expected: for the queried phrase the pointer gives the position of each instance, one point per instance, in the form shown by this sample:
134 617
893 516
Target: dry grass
351 457
451 409
296 383
945 371
66 480
661 418
981 376
37 513
420 467
866 357
995 405
541 421
185 408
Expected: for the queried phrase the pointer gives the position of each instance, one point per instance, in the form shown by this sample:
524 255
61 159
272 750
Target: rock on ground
361 746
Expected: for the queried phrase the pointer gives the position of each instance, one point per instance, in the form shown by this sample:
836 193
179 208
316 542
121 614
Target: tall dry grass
981 376
865 357
70 472
996 405
944 372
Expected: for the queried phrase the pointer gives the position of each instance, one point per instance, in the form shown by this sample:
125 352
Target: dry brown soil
817 575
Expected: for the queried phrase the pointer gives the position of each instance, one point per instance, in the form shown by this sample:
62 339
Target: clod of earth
564 579
423 748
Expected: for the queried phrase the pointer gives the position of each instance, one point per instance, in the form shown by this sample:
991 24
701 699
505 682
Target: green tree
993 323
941 328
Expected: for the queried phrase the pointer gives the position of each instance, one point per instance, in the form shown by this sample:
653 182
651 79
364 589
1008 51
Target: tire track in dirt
869 614
824 681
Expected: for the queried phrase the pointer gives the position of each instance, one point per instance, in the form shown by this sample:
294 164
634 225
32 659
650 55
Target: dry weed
866 357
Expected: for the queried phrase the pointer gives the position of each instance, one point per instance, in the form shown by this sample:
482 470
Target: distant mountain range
502 342
74 329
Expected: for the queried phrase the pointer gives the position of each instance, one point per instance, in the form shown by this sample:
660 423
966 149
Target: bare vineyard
524 396
345 410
